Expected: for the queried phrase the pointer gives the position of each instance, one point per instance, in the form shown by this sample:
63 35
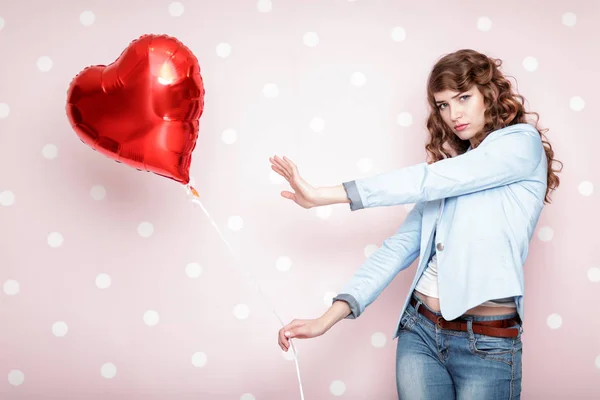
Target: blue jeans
434 363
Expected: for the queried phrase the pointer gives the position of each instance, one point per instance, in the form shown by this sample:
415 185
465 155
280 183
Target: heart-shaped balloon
143 109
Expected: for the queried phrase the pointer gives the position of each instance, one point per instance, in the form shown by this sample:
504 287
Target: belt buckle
438 322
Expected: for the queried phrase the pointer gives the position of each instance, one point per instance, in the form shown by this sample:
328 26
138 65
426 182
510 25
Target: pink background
115 286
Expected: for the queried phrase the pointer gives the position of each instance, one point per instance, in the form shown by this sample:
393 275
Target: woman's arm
395 254
338 311
506 156
332 195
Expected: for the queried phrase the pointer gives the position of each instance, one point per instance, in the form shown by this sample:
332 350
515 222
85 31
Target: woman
477 203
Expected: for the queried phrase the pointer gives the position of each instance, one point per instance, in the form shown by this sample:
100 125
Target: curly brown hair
459 72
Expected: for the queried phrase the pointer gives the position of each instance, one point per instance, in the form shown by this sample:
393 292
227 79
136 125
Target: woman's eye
466 96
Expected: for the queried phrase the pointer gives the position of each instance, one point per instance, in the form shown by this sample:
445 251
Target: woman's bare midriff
434 304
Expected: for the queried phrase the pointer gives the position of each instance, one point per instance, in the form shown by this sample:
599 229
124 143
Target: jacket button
439 247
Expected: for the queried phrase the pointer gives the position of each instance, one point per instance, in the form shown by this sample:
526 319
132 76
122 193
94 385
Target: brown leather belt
498 328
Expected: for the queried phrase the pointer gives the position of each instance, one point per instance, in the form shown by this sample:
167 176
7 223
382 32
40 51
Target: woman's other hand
300 329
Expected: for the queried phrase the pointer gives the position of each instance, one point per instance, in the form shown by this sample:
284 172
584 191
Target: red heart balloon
143 109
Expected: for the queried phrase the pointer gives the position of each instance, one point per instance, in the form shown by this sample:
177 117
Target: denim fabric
434 363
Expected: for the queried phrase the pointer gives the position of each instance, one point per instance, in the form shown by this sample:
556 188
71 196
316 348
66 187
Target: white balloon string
195 199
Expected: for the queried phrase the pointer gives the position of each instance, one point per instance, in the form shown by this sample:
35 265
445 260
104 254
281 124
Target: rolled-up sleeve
353 195
354 307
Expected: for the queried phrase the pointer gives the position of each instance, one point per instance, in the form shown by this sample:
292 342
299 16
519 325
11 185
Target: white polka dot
404 119
1 23
176 9
108 370
7 198
324 212
358 79
223 50
16 377
370 249
484 24
271 90
576 103
378 340
229 136
50 151
4 110
586 188
11 287
87 18
554 321
44 63
55 240
337 388
530 64
398 34
193 270
364 164
98 192
275 178
264 6
593 275
241 311
328 298
545 234
145 229
151 318
283 264
235 223
317 124
60 329
598 362
103 281
569 19
310 39
289 355
247 396
199 359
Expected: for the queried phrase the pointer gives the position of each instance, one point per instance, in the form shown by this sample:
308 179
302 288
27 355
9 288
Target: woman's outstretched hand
300 329
303 194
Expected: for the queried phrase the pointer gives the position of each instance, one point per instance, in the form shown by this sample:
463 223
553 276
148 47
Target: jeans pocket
406 322
494 348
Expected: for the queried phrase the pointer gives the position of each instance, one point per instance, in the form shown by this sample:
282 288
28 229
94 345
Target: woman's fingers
284 165
291 164
280 171
282 340
277 164
275 160
288 195
288 332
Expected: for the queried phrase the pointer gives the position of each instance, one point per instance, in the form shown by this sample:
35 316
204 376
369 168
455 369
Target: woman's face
463 112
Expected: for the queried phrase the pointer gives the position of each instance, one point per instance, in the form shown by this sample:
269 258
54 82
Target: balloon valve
191 191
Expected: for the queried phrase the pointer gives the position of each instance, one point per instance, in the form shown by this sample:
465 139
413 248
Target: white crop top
428 285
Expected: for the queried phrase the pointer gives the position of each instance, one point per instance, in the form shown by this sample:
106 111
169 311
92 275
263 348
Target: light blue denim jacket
488 201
